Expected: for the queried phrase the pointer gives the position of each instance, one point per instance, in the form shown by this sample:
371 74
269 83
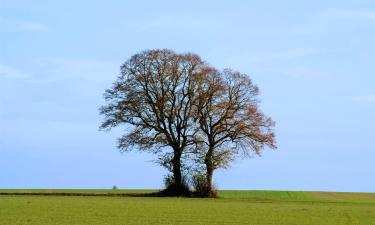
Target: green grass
233 207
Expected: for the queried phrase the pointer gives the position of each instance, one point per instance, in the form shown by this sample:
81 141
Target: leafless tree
154 95
230 121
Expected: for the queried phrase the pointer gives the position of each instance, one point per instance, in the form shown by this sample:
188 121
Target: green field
233 207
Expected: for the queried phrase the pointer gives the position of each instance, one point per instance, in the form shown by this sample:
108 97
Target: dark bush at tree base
202 188
172 189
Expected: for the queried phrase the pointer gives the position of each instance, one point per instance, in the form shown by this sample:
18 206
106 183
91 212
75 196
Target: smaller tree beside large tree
230 121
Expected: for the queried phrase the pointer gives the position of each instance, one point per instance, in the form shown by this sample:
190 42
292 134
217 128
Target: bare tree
155 95
230 121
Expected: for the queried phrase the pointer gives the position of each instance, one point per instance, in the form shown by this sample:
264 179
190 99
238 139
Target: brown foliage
231 123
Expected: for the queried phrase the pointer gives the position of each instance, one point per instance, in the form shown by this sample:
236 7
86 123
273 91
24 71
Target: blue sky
313 62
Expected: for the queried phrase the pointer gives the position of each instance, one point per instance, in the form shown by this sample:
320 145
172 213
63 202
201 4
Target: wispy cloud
367 14
32 26
12 73
8 25
299 72
364 99
181 22
270 62
9 72
57 70
283 55
308 29
82 69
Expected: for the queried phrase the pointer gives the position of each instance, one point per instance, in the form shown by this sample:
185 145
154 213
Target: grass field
233 207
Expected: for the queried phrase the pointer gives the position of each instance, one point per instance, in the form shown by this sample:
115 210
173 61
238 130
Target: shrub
172 189
201 187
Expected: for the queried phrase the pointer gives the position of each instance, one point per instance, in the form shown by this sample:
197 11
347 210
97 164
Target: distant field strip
233 207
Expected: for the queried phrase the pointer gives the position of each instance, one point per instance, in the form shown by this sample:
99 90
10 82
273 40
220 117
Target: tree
176 106
154 95
230 121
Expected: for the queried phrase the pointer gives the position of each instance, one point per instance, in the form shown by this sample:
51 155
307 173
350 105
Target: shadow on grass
162 193
154 194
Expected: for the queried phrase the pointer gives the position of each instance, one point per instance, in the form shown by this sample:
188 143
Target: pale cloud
324 21
299 72
83 69
9 72
259 62
282 55
364 99
7 25
32 26
267 57
178 23
16 74
56 70
366 14
309 29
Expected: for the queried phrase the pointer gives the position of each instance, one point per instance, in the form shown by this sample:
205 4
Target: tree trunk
177 169
209 172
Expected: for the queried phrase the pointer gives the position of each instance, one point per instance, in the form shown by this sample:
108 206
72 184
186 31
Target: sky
312 60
